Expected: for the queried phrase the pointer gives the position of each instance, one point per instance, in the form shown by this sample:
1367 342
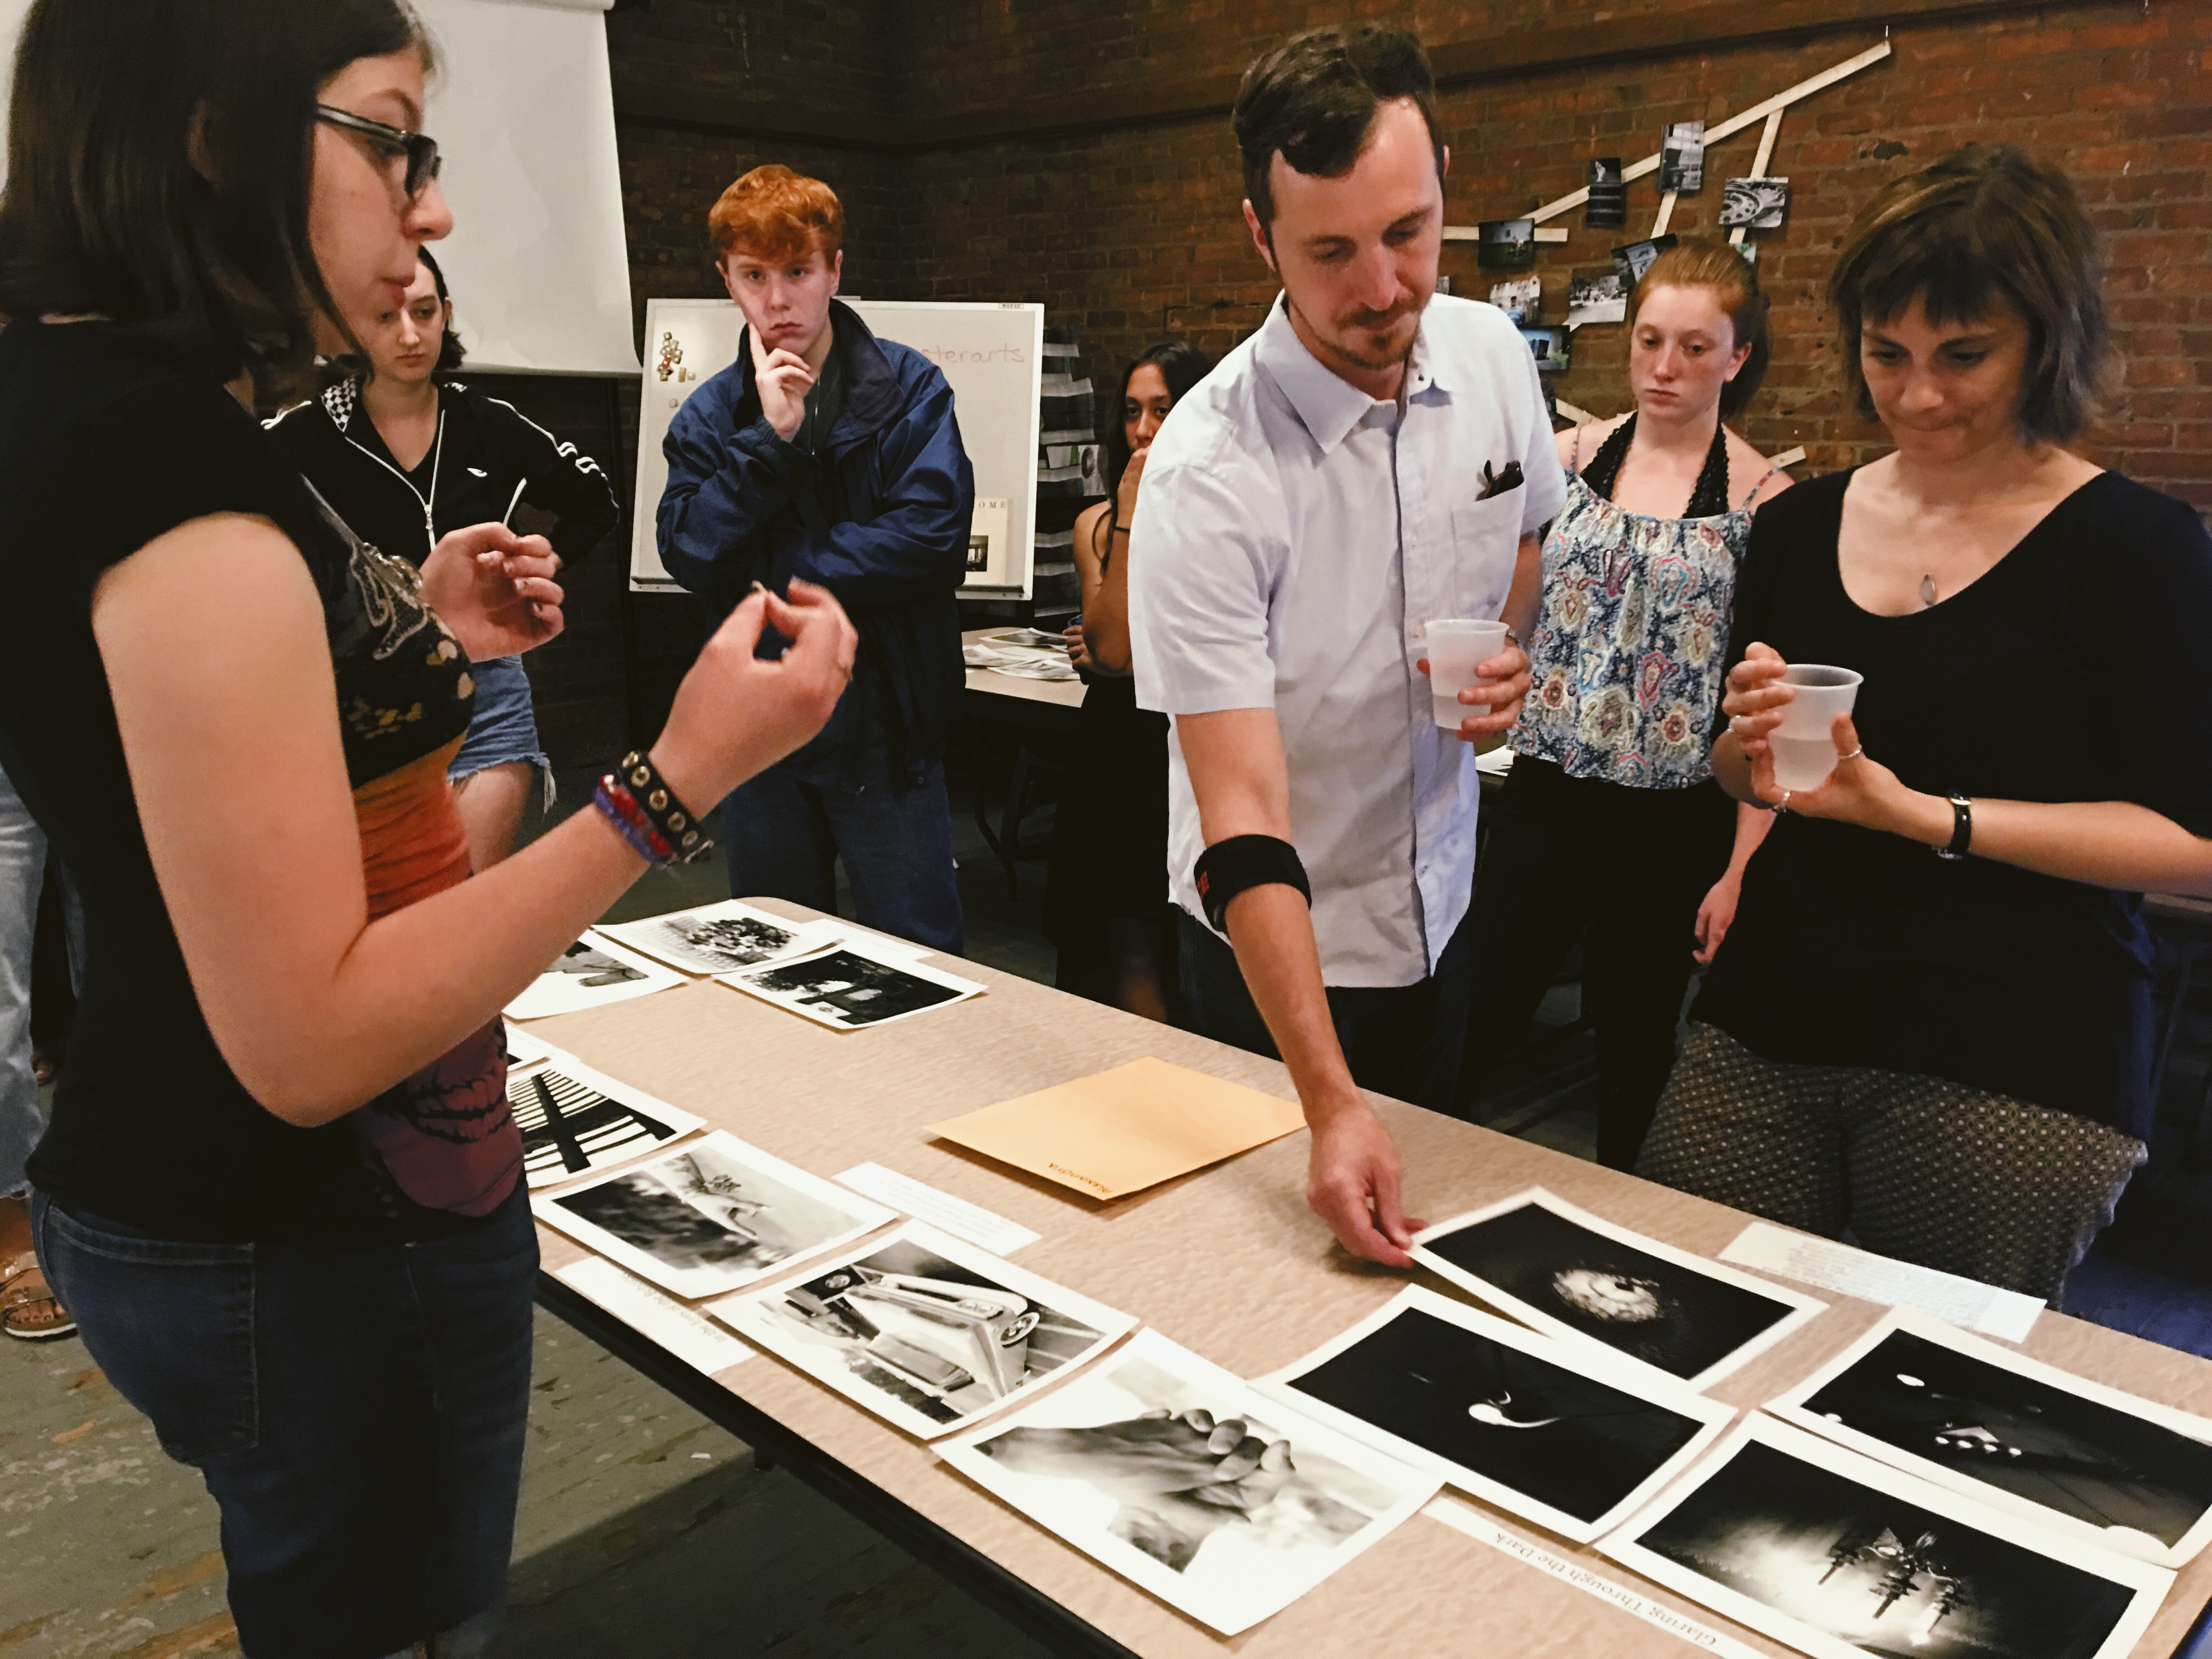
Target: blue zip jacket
881 519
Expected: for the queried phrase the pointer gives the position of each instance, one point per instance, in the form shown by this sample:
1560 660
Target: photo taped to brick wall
710 1216
853 986
574 1119
1842 1557
1561 1434
1571 1274
718 938
590 974
1980 1418
1178 1476
926 1332
1505 244
1596 300
1753 204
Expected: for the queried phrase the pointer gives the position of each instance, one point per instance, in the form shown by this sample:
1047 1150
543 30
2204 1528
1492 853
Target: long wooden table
1228 1262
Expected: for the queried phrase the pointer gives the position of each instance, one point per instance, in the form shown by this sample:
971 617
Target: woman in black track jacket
405 453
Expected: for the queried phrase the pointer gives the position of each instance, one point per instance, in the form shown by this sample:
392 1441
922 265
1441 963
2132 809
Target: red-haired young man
826 455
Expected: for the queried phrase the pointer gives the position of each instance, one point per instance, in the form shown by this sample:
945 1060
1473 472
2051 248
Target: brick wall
1132 234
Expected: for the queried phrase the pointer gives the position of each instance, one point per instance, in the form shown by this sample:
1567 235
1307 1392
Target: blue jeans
503 729
784 831
357 1414
23 870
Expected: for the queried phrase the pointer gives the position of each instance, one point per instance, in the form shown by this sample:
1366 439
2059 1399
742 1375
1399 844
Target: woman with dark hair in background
281 1189
1930 1022
1610 826
405 457
1110 841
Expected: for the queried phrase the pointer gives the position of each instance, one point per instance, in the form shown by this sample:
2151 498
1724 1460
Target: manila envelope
1121 1130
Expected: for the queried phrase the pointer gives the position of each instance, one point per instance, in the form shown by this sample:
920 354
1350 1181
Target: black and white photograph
1631 262
1571 1274
710 1216
1596 300
1682 158
1176 1474
1842 1557
1521 298
1551 346
1606 205
1505 244
720 938
926 1332
1970 1414
1561 1435
590 974
852 987
574 1121
1754 203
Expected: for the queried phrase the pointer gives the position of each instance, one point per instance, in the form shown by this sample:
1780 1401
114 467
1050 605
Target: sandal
22 1288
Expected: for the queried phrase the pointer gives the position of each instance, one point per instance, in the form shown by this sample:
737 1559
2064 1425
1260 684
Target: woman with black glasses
407 453
281 1189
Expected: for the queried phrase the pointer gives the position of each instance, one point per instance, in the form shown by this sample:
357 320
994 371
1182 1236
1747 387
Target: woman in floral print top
1611 820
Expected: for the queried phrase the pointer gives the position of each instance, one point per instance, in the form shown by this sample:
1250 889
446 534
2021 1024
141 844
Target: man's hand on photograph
783 381
1352 1184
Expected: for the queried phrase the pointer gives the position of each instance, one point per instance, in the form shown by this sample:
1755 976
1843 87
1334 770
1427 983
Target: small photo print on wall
925 1331
2104 1466
574 1121
1841 1557
1177 1475
852 987
589 973
1633 261
1552 347
1505 244
1754 203
1562 1435
1607 207
718 938
1596 300
711 1217
1571 1275
1682 158
1521 300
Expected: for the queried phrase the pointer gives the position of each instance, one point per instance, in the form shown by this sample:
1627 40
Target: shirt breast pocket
1485 537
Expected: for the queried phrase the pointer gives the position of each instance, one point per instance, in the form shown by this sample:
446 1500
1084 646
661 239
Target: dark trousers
358 1414
1400 1040
784 831
1632 865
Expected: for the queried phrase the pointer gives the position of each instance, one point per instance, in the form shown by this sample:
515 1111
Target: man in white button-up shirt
1370 459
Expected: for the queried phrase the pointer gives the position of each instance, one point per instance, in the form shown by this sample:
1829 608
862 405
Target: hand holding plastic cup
1804 745
1454 646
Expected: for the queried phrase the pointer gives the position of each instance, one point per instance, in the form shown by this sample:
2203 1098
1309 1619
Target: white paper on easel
1966 1302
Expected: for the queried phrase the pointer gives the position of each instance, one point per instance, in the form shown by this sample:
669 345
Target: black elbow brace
1241 863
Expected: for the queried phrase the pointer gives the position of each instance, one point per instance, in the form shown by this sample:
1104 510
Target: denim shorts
358 1414
503 731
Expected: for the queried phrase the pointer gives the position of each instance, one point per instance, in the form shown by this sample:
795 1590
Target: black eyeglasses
420 149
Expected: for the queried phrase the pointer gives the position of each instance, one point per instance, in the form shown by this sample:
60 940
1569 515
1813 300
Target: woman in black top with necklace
1930 1022
405 453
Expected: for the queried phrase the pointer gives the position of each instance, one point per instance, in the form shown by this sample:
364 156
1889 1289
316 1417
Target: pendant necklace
1928 590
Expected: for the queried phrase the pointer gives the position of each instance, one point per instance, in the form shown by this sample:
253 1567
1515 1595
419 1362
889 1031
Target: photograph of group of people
1821 775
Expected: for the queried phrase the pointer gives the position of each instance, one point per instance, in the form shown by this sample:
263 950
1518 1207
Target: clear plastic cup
1804 745
1454 645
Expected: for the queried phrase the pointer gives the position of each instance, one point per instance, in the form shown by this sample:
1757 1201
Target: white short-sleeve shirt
1292 537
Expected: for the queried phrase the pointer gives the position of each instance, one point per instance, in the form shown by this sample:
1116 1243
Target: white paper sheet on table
721 939
592 972
941 1210
1966 1302
690 1336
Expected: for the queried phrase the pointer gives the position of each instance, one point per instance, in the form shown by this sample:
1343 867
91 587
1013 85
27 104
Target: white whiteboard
993 355
523 111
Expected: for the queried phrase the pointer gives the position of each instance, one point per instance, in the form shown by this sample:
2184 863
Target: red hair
772 213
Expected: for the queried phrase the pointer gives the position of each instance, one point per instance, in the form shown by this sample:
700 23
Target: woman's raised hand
493 590
737 714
